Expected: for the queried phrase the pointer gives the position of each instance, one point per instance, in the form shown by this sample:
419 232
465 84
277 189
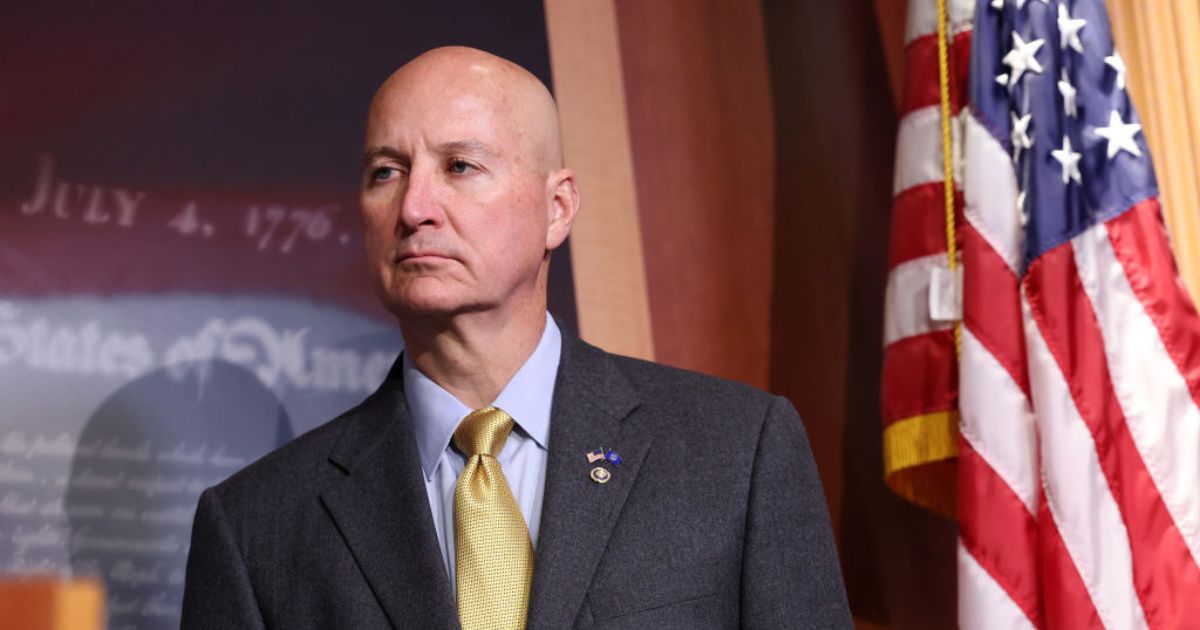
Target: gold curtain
1159 40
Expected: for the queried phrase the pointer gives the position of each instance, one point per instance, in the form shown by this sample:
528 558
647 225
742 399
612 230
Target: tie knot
483 432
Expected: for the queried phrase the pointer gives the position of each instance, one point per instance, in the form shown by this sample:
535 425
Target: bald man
507 474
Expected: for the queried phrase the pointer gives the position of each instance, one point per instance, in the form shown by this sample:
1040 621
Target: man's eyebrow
374 152
469 146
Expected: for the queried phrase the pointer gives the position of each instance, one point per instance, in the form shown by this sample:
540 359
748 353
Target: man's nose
420 204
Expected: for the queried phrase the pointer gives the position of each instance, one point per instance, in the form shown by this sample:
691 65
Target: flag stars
997 4
1069 160
1022 57
1068 95
1068 29
1020 134
1022 216
1115 62
1120 135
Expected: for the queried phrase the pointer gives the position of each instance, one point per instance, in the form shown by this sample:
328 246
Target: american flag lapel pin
600 474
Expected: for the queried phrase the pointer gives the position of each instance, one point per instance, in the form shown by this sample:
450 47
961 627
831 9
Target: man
508 475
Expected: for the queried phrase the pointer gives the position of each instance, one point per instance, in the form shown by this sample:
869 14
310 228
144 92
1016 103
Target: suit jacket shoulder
663 385
296 466
278 485
714 519
330 530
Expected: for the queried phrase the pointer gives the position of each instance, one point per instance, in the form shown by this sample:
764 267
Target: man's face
454 199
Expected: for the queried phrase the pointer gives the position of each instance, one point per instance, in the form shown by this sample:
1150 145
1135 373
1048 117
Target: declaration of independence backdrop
182 287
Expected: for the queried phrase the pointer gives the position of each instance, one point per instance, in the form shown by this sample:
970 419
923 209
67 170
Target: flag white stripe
918 149
922 17
990 192
997 421
1080 501
906 300
1159 410
982 603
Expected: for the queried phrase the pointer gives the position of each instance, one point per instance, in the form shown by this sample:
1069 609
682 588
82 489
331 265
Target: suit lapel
591 401
381 508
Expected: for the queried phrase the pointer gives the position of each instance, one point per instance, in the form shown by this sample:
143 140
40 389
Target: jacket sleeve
217 593
790 572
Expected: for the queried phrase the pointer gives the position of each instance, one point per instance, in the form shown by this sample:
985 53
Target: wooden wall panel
890 18
702 135
606 243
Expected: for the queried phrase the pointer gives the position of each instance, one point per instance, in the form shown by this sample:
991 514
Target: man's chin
431 305
421 296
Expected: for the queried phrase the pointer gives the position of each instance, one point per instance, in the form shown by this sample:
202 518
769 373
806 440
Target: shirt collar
527 398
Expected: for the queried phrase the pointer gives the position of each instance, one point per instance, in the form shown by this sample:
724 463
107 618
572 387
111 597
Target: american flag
1076 393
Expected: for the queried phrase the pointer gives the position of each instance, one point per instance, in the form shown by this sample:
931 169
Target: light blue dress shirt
436 414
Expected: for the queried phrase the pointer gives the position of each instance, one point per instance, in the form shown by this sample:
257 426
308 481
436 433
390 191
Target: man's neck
474 355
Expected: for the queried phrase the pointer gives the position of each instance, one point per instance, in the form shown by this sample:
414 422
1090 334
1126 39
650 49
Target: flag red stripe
920 375
992 305
921 87
1140 241
1166 578
1065 600
998 530
919 222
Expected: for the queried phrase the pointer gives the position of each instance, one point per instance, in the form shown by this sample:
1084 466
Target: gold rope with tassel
947 151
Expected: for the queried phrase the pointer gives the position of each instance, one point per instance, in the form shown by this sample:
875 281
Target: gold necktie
493 553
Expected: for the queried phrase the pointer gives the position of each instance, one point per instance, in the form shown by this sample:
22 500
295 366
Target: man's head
464 192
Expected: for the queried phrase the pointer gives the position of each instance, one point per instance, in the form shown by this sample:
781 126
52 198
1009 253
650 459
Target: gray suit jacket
714 519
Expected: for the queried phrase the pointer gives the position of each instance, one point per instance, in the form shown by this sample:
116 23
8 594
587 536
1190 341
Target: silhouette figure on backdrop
143 458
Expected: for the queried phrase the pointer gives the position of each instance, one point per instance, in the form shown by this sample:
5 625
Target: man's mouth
419 256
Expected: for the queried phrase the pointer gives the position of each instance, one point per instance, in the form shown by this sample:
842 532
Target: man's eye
458 167
382 173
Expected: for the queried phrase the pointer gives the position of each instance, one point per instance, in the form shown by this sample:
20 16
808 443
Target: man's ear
564 205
